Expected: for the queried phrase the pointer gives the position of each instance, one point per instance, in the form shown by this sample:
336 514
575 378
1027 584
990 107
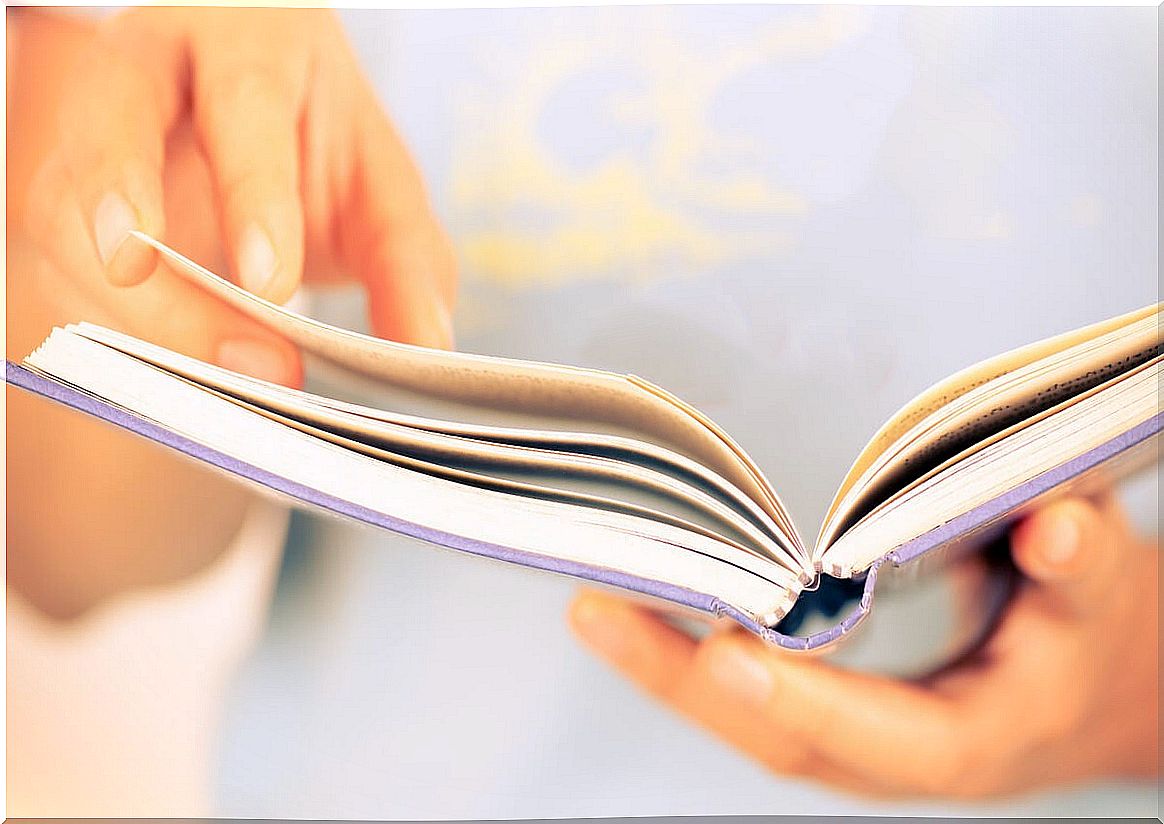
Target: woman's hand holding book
1065 690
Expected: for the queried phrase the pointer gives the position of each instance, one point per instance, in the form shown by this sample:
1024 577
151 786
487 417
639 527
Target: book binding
978 526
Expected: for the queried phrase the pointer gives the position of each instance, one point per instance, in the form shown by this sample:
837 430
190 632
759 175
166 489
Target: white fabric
117 714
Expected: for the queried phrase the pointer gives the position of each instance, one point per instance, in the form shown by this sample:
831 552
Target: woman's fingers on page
402 300
394 241
164 309
171 312
113 124
318 170
247 105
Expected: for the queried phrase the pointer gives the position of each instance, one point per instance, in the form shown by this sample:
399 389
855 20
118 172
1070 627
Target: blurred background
794 218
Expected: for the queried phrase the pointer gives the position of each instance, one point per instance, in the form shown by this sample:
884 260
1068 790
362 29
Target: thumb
1074 548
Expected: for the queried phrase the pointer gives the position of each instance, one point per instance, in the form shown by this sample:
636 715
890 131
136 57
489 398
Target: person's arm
248 139
1065 690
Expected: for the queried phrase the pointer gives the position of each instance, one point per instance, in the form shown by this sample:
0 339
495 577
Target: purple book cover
977 526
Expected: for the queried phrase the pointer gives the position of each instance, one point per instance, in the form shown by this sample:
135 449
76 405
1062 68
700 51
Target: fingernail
598 628
256 260
739 672
112 222
252 358
444 324
432 325
1061 539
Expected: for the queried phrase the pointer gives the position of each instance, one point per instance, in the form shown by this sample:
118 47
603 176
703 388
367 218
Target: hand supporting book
1065 690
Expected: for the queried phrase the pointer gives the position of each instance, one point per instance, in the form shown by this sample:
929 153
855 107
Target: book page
995 470
453 444
947 392
504 481
437 509
461 386
1059 409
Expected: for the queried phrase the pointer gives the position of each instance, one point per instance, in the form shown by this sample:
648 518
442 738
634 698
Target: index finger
393 240
113 125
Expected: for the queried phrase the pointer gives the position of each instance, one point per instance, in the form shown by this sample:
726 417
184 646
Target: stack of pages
611 479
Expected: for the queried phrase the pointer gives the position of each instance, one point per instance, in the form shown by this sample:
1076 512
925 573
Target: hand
1065 690
244 134
247 139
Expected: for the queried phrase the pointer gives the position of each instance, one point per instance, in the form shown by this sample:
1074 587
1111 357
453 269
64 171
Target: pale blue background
794 218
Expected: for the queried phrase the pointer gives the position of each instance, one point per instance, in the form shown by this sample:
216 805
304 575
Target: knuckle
794 762
106 74
262 85
231 95
132 176
245 189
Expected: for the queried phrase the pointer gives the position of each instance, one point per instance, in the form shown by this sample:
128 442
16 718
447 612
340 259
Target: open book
611 479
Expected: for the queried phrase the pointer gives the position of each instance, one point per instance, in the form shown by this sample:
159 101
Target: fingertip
255 260
266 360
441 326
131 264
1049 544
126 262
441 280
593 606
581 612
413 312
641 645
602 623
293 367
269 261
